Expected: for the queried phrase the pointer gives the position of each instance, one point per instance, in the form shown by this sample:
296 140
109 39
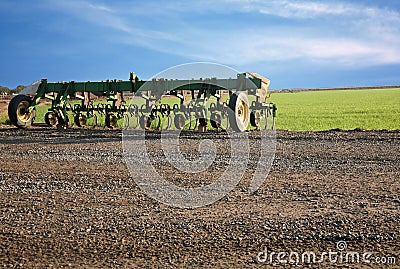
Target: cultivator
199 104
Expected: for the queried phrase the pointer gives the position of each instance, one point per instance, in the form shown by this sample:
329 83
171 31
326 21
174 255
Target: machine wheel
202 122
215 120
239 112
18 111
80 120
62 123
167 122
144 122
111 121
126 121
133 122
50 118
201 116
179 121
255 118
158 122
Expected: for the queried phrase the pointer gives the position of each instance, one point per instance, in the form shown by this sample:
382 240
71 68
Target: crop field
375 109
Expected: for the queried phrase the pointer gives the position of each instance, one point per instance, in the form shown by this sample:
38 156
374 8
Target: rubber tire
61 123
201 116
77 120
47 120
215 120
253 119
126 121
109 121
202 122
178 119
236 124
13 113
144 121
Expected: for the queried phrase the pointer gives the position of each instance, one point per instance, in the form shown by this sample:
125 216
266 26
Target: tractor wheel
179 121
80 120
167 123
215 120
19 113
111 121
133 122
50 118
126 121
255 118
62 123
145 122
202 121
239 112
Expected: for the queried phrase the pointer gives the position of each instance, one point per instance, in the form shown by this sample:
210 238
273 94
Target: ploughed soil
67 199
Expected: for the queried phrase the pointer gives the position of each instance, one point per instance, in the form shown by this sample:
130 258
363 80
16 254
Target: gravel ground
67 199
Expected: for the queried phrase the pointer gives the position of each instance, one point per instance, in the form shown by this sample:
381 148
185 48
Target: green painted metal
113 90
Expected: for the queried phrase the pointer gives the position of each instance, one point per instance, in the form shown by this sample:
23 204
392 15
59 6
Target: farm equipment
195 104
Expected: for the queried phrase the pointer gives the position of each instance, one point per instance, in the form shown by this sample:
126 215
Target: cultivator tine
200 105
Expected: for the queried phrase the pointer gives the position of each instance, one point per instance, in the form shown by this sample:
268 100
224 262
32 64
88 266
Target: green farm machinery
238 103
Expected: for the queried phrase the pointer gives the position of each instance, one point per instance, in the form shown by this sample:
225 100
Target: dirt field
4 104
67 199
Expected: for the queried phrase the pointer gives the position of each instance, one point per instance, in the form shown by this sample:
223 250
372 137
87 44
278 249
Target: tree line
5 90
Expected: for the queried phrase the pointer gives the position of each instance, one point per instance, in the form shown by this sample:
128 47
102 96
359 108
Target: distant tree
4 90
18 89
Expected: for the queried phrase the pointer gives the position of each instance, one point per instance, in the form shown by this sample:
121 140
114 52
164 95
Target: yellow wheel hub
113 120
82 120
23 112
242 111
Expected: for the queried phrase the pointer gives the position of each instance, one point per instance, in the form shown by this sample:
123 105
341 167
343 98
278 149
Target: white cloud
343 32
253 48
97 14
298 9
313 9
101 8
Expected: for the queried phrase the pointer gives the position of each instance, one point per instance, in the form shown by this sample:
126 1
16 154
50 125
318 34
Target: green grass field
345 109
316 110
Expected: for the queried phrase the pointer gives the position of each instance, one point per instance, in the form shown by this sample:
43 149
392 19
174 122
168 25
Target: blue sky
294 43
